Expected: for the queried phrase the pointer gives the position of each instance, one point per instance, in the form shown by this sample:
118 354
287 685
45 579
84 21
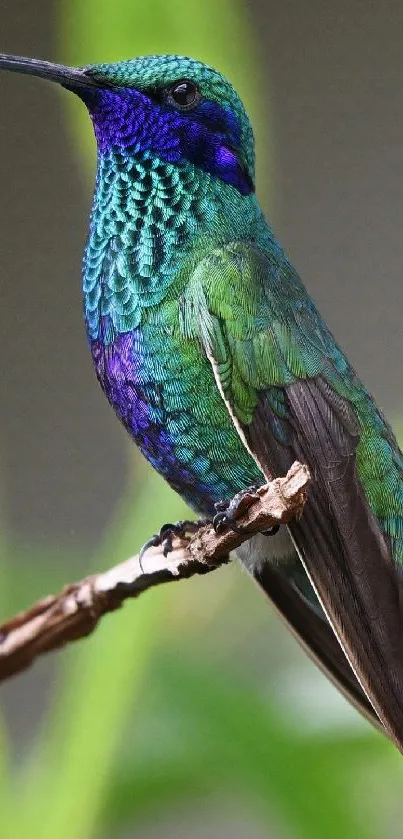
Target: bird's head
170 107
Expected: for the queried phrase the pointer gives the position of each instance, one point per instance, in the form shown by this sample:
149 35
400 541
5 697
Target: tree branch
74 613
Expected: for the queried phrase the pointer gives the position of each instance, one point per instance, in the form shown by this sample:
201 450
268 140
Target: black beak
70 77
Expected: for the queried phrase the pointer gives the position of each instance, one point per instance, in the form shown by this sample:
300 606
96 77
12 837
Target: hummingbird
219 365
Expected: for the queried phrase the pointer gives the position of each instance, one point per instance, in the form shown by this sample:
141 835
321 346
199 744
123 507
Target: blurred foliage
163 707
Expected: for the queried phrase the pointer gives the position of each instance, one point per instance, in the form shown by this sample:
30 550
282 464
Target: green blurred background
192 713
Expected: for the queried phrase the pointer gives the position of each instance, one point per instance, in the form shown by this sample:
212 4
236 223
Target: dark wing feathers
339 541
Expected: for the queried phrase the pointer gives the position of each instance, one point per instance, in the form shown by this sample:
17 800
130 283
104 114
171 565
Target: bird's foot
168 531
228 512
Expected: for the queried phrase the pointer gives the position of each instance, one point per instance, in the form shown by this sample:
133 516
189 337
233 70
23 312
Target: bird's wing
293 395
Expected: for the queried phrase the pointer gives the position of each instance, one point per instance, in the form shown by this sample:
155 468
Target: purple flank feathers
138 403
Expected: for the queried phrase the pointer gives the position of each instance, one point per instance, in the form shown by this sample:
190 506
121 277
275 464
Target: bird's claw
228 512
223 521
167 533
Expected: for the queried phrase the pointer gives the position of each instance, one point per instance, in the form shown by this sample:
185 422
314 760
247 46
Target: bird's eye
184 95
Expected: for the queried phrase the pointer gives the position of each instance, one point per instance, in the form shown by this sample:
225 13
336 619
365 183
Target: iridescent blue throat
208 136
